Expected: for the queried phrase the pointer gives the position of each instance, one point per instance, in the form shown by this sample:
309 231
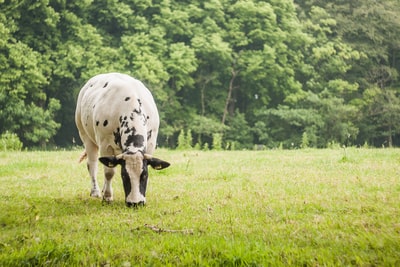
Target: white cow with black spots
116 116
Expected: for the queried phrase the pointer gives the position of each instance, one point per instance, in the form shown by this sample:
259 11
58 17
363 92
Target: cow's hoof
107 196
95 193
135 205
107 199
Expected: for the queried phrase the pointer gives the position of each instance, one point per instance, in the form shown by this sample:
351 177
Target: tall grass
227 208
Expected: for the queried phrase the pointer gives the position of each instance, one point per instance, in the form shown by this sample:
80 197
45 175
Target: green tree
323 117
254 71
38 125
265 39
204 128
238 132
26 109
371 28
381 120
321 109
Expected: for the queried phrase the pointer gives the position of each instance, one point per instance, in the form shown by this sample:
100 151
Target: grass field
240 208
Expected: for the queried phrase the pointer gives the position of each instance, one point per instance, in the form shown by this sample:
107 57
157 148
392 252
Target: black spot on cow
127 98
138 111
105 85
129 130
136 140
97 123
126 180
105 123
149 135
94 106
117 137
124 124
143 180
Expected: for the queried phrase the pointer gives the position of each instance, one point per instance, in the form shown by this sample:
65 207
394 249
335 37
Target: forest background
277 73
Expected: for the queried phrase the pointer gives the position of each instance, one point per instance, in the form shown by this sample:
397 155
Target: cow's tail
82 156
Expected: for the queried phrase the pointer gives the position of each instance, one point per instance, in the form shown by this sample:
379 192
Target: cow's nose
135 205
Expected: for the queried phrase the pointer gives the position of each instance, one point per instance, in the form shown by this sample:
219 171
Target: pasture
330 207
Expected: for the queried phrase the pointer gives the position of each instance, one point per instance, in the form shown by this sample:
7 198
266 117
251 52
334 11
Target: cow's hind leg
107 189
92 152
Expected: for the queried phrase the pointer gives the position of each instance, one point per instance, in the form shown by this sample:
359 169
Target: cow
116 115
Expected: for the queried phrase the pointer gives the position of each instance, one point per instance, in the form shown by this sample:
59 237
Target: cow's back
112 104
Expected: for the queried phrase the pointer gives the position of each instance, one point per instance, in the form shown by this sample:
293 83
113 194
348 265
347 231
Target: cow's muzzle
135 205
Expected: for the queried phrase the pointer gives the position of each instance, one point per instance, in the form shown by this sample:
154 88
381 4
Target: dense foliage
268 73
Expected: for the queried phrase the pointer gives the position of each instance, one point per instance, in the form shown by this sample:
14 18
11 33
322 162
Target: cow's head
134 174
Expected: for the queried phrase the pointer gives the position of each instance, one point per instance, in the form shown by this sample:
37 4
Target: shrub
304 140
217 141
10 142
206 146
185 140
181 140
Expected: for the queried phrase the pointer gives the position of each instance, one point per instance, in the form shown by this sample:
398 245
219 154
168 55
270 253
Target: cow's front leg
107 189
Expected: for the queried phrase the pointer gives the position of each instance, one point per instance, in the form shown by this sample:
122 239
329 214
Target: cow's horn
120 156
148 156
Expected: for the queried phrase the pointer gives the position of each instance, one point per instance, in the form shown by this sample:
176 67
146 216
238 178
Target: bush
10 142
304 140
185 140
217 141
206 146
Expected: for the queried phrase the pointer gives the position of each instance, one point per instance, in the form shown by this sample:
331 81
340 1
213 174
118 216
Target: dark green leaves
268 71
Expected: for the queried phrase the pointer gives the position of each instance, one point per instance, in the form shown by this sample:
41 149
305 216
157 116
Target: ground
231 208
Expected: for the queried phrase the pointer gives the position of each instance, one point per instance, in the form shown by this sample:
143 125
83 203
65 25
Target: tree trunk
203 105
230 90
390 139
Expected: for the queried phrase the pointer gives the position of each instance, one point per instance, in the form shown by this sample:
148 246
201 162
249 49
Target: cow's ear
110 162
157 164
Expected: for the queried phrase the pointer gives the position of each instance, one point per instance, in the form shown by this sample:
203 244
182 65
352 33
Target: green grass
244 208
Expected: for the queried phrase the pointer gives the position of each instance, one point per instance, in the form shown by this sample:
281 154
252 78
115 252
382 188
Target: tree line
277 73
